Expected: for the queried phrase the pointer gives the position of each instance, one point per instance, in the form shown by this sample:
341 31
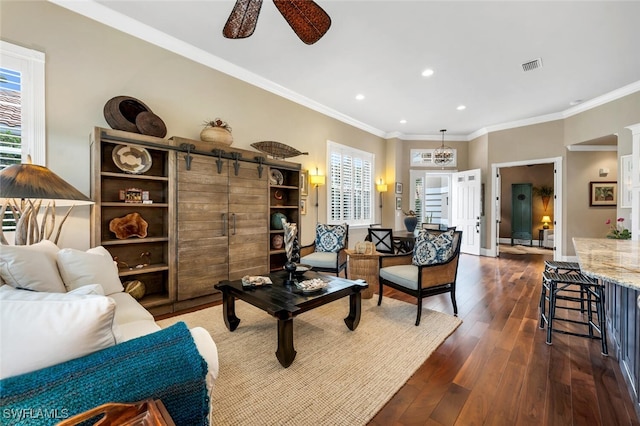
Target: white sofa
61 304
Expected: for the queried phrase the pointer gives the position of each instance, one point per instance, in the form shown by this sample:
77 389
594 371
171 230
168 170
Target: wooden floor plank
497 368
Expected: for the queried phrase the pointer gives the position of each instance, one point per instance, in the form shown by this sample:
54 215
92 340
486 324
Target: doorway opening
430 197
499 223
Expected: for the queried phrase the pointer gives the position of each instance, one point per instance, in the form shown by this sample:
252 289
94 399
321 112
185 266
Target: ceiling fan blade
308 20
243 19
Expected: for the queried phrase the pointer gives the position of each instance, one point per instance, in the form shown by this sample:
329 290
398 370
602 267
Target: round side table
364 266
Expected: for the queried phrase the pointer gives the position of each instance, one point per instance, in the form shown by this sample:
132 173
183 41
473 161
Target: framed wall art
304 182
398 187
398 203
603 193
303 206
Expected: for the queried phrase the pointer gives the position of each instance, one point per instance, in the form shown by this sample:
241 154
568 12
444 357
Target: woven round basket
121 112
150 124
135 288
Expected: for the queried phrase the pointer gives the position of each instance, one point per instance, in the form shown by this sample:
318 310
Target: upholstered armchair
431 269
327 252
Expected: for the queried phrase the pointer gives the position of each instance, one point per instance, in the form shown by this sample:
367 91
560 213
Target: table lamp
33 185
545 222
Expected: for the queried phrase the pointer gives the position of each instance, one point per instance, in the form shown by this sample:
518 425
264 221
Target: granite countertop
617 261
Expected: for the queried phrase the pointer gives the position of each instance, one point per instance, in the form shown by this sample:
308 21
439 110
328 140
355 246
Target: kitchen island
616 263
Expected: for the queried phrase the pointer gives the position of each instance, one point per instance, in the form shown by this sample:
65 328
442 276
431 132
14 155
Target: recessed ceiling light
461 107
427 73
576 102
359 96
403 121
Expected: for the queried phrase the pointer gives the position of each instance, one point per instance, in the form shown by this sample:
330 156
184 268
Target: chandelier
443 155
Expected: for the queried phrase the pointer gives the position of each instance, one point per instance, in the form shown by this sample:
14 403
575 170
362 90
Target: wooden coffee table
286 302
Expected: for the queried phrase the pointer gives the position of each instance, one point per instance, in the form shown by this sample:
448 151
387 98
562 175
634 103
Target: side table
364 266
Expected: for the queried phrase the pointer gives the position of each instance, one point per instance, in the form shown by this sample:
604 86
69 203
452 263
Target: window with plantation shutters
22 131
350 185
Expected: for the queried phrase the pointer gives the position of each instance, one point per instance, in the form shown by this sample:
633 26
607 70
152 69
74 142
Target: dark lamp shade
30 181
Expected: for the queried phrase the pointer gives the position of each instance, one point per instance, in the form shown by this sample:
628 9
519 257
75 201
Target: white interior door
497 210
466 192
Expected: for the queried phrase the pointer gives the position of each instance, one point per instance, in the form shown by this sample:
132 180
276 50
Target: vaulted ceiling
379 49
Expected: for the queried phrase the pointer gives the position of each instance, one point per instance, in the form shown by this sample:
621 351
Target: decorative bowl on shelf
131 225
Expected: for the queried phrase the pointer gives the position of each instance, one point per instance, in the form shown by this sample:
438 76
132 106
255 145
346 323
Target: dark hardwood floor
496 368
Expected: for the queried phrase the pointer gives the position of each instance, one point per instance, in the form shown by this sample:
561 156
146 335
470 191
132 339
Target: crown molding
592 148
120 22
438 137
603 99
116 20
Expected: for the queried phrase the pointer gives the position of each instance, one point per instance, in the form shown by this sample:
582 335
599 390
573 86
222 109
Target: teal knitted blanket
165 365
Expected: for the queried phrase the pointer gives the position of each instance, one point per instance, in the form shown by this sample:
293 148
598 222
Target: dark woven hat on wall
132 115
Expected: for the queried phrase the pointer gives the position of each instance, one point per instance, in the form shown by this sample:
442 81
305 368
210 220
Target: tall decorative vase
410 223
290 239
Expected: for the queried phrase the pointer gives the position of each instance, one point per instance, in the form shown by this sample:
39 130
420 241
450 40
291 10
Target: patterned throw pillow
431 247
330 238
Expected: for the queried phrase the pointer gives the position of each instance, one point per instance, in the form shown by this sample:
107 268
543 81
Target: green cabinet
521 212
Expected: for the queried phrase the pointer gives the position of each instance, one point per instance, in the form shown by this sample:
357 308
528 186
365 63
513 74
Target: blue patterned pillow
432 247
330 238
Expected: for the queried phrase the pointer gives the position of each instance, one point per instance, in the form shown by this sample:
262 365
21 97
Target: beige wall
607 119
88 63
549 140
583 220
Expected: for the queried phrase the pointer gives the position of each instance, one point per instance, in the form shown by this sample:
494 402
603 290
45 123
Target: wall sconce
603 172
382 188
545 222
317 180
33 184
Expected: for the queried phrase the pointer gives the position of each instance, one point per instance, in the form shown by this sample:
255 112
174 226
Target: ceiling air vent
532 65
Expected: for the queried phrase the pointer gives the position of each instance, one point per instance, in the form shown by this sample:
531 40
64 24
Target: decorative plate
276 177
131 159
312 285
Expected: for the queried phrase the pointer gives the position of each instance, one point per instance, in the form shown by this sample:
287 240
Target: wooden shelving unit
284 198
209 220
149 259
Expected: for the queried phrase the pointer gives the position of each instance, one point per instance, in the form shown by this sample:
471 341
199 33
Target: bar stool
561 267
556 286
566 268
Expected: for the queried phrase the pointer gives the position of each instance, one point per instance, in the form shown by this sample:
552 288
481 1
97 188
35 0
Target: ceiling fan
308 20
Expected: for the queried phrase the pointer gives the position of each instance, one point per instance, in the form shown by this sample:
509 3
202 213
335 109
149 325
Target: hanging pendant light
443 155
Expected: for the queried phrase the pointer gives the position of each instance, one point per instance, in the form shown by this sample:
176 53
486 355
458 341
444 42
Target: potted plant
545 192
216 131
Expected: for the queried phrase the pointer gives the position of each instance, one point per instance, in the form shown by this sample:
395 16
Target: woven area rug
339 377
